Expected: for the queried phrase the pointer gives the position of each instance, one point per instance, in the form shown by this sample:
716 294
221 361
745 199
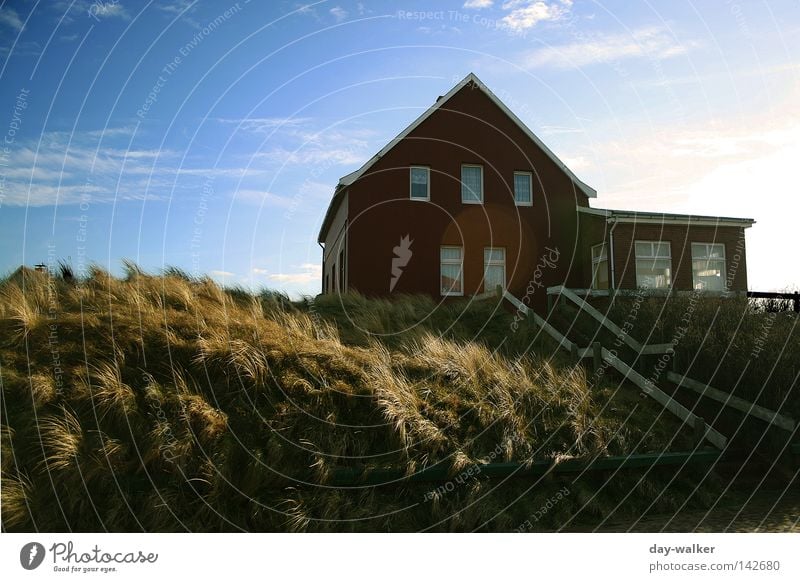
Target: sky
210 135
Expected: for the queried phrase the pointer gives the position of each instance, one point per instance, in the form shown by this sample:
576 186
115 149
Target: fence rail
642 349
793 297
354 477
647 386
735 402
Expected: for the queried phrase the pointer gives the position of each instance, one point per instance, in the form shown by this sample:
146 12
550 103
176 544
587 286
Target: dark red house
467 198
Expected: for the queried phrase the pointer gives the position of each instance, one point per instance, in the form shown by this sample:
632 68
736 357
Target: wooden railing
642 349
749 408
765 414
647 386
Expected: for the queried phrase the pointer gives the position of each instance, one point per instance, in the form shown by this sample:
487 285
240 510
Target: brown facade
471 129
547 243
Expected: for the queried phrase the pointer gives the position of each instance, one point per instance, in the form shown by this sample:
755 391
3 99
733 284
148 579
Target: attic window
420 187
471 184
523 191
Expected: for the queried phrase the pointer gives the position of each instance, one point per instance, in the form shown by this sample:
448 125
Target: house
467 198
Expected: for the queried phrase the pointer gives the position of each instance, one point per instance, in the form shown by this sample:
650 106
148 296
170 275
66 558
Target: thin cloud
306 273
338 13
262 125
260 197
10 18
478 4
653 42
93 9
65 167
175 7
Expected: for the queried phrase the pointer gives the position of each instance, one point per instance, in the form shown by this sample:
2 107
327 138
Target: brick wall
680 238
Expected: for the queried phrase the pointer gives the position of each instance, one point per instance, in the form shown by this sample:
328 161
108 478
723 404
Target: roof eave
633 216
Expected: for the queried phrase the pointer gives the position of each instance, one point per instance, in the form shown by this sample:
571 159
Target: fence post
574 351
597 355
676 363
699 430
797 302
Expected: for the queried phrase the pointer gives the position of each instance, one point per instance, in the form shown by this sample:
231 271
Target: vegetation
744 346
167 403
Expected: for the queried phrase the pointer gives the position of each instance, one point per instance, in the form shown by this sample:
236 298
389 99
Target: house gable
471 81
445 103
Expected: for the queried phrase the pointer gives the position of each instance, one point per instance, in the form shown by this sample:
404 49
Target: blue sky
210 135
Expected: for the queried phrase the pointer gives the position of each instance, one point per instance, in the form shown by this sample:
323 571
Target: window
420 188
599 266
523 189
708 266
494 268
452 270
471 184
653 265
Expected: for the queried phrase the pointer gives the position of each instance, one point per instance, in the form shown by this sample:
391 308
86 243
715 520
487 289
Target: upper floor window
471 184
523 189
708 266
420 188
600 266
653 264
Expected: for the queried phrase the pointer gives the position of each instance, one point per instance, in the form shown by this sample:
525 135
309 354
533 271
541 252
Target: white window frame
494 263
653 257
459 262
461 181
530 188
597 261
724 260
411 183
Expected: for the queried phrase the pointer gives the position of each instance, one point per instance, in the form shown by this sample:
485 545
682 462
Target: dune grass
168 403
748 347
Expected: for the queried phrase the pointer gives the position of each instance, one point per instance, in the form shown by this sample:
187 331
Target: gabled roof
471 78
347 180
633 216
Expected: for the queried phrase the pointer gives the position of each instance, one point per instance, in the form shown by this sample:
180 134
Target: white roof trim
353 176
595 211
636 217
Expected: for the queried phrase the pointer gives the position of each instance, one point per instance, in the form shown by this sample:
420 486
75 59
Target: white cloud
221 274
71 10
653 42
527 14
306 273
11 19
742 167
338 13
478 4
62 167
107 10
262 125
261 198
176 6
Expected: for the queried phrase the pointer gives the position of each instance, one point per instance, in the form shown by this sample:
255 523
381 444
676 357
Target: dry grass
164 403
